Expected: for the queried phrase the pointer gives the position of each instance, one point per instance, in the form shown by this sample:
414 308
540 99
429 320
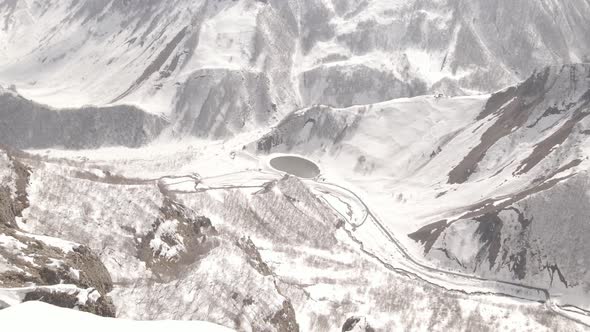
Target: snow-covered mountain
497 173
143 145
220 67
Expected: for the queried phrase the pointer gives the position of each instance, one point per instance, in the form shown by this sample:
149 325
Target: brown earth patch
513 108
284 320
102 307
254 258
198 235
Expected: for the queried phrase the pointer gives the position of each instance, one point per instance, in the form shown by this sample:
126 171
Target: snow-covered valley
438 157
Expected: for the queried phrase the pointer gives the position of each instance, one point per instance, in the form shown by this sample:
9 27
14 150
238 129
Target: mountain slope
480 186
241 248
185 59
26 124
449 136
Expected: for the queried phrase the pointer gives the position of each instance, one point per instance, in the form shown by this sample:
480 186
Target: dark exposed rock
428 234
319 121
353 321
103 306
23 175
490 235
513 115
198 239
517 263
515 256
496 101
552 268
92 272
513 108
266 187
544 148
50 276
14 279
541 184
440 194
7 212
350 323
485 211
248 301
284 320
554 110
507 240
41 269
254 258
266 143
60 299
12 207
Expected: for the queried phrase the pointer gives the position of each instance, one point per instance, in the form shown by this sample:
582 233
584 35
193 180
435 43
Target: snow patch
52 318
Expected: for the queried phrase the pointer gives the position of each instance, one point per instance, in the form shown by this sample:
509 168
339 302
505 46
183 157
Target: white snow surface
239 65
230 71
35 316
65 246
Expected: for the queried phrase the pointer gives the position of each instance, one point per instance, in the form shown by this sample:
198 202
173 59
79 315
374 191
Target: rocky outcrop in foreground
40 268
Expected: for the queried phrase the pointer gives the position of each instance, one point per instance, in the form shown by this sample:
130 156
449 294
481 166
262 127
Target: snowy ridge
478 173
27 124
216 68
52 317
446 143
255 204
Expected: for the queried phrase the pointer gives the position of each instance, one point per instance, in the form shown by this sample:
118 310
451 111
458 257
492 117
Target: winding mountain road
410 266
544 293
